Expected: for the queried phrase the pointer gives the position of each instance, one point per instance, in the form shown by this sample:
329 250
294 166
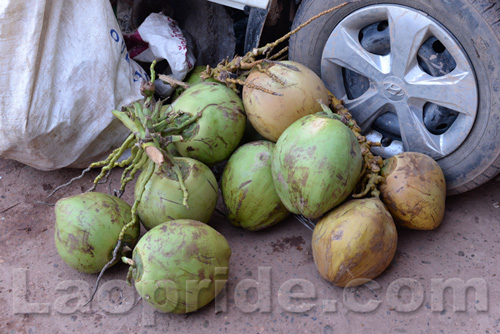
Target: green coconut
191 79
180 266
220 126
87 229
316 164
163 196
248 189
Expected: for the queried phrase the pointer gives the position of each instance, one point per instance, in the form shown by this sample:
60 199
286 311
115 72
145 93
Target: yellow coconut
355 242
296 89
414 190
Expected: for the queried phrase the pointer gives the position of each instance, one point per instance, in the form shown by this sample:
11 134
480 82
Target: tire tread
490 10
492 171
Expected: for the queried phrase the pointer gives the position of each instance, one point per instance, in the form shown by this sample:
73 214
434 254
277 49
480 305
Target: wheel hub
405 78
393 88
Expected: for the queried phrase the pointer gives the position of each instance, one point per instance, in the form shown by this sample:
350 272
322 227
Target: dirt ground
443 281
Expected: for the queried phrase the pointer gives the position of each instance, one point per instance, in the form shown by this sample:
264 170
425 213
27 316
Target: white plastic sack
64 67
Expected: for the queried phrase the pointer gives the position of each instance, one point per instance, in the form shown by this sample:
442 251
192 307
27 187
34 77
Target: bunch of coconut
309 163
180 263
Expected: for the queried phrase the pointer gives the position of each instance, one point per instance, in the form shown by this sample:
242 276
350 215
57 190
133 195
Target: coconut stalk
370 177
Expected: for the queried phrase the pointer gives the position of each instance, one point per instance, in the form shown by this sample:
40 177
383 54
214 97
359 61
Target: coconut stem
110 162
279 54
372 163
180 179
128 261
109 264
264 49
306 222
328 111
129 142
172 81
124 229
69 182
138 163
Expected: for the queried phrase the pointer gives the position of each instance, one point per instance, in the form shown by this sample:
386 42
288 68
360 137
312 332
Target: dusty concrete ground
41 294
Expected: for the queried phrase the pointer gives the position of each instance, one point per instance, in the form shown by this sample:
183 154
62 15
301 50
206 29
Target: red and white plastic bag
159 37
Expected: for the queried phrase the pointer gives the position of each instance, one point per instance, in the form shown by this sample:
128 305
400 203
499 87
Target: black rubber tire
476 25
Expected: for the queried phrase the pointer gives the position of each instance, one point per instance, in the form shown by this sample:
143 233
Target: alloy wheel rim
399 87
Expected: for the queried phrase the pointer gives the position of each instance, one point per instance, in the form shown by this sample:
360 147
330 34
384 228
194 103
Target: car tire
475 25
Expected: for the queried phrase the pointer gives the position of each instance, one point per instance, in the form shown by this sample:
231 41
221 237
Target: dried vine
372 164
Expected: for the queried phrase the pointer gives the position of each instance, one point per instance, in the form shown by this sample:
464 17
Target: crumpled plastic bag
159 37
64 67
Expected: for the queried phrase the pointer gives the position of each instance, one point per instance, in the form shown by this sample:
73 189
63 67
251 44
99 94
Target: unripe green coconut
316 165
163 196
220 126
192 79
180 266
248 189
87 229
